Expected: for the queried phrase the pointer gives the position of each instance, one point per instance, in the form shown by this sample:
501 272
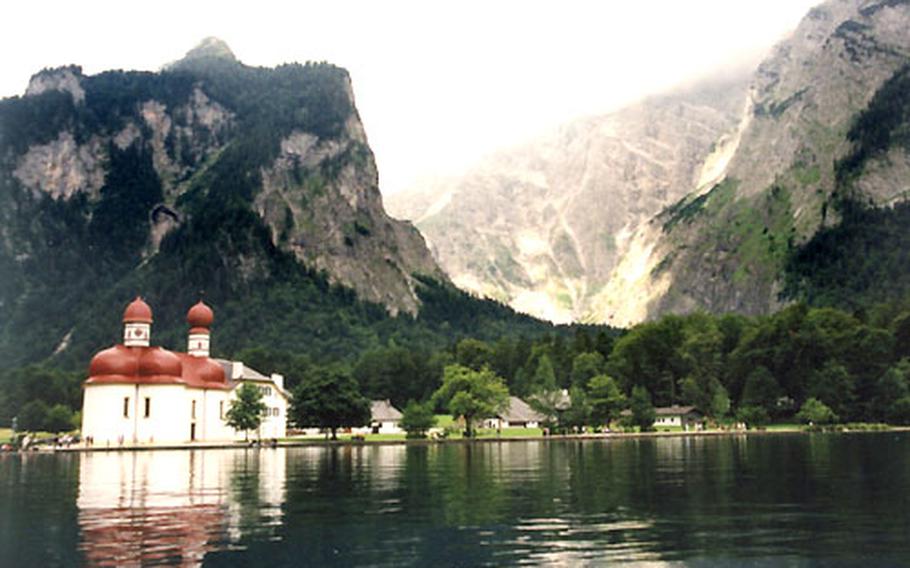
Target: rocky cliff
204 177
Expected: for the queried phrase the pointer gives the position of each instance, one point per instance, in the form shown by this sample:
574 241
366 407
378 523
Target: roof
383 411
668 411
154 366
247 373
520 411
675 410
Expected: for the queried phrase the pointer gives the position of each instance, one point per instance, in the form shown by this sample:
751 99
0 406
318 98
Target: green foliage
328 397
814 411
59 419
642 411
605 400
885 123
833 385
760 390
33 416
246 410
471 394
586 365
720 403
417 418
753 416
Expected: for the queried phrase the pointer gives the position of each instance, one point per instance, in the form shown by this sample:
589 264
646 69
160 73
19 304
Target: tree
246 410
471 394
814 411
59 419
328 397
760 390
578 414
753 416
833 385
473 353
585 366
544 376
890 387
720 403
417 418
33 416
643 414
604 399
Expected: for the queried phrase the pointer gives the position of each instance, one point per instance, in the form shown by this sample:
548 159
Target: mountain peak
210 48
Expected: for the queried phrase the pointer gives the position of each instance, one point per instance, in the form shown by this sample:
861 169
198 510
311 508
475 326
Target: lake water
767 500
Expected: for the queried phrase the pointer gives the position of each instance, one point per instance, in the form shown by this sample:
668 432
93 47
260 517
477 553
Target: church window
126 407
148 407
221 409
194 409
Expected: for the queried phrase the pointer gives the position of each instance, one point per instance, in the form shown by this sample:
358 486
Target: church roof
154 366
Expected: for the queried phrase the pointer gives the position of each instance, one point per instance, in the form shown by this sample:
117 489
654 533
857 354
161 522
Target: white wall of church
118 414
115 414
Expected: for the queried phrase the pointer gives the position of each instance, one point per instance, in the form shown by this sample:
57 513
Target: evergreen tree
643 414
605 400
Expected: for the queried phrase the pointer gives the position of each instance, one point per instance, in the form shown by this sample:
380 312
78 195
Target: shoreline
310 442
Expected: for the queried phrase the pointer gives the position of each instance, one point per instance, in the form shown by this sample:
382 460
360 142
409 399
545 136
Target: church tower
137 324
200 318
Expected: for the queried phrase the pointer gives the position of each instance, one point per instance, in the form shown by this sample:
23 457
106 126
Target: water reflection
764 500
175 506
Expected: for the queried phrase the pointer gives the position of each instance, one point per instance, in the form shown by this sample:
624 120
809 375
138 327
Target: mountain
817 144
542 226
724 198
254 186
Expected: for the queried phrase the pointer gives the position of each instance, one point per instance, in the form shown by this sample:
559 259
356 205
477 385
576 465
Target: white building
138 394
384 418
518 414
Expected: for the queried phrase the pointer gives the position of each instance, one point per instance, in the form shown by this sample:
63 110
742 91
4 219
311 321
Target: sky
438 84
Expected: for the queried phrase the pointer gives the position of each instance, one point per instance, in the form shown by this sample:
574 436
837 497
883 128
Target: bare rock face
321 200
723 249
64 79
62 167
543 226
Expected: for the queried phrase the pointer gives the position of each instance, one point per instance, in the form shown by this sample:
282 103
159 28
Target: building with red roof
139 394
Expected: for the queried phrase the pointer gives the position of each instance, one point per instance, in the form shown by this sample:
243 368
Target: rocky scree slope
542 226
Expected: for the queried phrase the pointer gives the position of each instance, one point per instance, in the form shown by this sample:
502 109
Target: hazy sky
438 84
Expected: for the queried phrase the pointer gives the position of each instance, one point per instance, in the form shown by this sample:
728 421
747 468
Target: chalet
384 418
518 414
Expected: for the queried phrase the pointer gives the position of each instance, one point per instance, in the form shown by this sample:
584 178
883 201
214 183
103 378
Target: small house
685 417
518 414
384 418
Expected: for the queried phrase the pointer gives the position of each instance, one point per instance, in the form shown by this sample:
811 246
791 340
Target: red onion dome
117 360
200 316
137 312
158 361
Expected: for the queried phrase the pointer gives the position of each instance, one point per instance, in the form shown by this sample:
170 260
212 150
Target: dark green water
772 500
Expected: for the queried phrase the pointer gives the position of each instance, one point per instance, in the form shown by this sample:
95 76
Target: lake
761 500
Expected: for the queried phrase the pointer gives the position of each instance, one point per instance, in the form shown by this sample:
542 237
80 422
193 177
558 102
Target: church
137 394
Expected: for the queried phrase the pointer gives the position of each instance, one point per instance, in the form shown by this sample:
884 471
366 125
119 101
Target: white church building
137 394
